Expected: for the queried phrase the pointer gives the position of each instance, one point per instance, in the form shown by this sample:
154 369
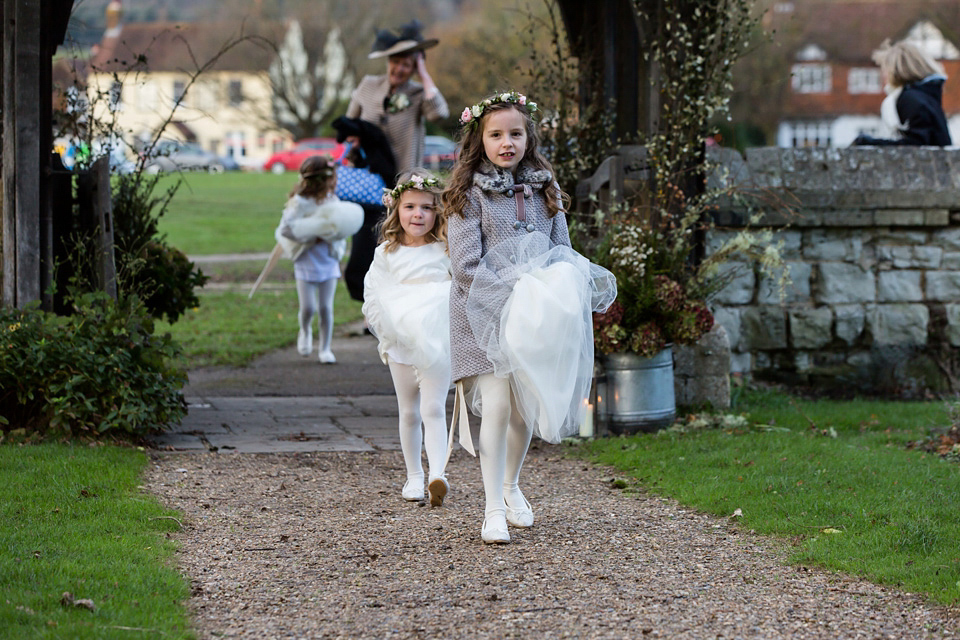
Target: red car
291 159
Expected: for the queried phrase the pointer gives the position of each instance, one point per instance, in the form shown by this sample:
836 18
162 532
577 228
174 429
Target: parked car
175 155
439 153
291 159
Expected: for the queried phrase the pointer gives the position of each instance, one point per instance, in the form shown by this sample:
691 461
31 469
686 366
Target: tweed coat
488 221
404 129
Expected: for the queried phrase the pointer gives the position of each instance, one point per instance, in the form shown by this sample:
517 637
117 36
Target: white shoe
438 488
494 528
519 516
327 357
413 489
305 342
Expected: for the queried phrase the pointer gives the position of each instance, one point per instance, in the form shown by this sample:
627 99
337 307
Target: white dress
530 307
406 301
312 233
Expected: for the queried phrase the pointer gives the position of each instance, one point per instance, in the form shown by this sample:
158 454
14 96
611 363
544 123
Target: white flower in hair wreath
390 196
471 115
398 102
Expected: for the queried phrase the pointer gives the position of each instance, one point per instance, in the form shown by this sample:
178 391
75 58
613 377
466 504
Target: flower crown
471 115
325 170
420 183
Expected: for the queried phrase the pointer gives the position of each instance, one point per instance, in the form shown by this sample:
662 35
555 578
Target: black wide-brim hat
409 39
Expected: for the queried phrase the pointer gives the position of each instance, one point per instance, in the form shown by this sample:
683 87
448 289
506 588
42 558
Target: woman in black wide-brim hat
393 101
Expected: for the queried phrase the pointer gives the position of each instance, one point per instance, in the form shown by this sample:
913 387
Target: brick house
835 88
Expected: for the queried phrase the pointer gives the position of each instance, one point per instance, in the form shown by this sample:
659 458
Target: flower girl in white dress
406 304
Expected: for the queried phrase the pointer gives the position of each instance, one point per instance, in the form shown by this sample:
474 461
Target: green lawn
75 520
233 212
230 329
834 477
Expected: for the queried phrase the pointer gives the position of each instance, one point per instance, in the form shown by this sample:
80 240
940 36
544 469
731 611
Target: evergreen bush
98 372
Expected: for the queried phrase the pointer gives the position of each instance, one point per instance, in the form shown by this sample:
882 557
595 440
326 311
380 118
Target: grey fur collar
492 178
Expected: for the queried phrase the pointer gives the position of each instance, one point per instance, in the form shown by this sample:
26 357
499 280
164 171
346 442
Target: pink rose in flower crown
466 116
522 99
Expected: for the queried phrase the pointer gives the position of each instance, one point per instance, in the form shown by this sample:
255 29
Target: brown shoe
438 488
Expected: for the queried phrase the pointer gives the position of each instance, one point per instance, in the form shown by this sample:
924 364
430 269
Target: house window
810 134
179 88
236 144
116 96
236 93
811 78
864 80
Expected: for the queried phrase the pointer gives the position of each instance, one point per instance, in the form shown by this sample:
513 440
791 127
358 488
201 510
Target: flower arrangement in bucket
660 300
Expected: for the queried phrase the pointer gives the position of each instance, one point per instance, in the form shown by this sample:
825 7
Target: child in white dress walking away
406 304
520 304
316 261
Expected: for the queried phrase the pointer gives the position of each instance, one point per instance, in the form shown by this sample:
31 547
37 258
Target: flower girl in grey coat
520 303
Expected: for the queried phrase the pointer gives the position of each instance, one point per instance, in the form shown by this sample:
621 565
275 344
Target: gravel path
320 545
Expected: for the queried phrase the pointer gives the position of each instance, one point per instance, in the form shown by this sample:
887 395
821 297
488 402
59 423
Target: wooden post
93 193
21 145
9 157
62 223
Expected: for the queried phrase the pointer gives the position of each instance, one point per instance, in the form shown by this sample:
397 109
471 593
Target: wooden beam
28 164
22 162
9 156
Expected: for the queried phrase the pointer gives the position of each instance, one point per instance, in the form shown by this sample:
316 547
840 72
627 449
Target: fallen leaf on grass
830 530
737 514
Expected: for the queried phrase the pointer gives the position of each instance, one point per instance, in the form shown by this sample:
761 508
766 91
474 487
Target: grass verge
230 329
832 476
75 521
233 212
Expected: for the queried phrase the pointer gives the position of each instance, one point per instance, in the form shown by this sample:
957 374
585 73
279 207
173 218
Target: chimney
114 14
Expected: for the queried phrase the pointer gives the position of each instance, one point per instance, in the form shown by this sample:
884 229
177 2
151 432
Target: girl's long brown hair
454 197
318 178
391 231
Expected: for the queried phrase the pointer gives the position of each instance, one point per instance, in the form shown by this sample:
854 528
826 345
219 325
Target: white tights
316 298
421 401
504 439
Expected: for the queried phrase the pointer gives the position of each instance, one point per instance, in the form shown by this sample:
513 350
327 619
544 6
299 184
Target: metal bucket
638 392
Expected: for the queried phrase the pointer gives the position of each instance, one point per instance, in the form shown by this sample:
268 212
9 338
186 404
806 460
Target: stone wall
871 238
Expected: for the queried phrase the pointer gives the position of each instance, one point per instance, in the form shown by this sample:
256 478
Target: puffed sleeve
377 280
284 235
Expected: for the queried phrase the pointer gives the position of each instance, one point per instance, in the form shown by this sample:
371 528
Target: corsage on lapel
397 102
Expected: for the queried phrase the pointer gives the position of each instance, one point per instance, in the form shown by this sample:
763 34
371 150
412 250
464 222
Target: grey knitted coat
489 220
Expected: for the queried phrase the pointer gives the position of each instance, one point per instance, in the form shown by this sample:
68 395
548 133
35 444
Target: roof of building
850 30
173 46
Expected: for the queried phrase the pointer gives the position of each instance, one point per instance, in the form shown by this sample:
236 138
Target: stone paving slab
282 425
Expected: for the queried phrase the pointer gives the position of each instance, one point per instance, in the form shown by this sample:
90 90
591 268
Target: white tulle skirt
414 326
530 308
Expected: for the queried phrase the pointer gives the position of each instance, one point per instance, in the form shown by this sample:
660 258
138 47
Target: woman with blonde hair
914 102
